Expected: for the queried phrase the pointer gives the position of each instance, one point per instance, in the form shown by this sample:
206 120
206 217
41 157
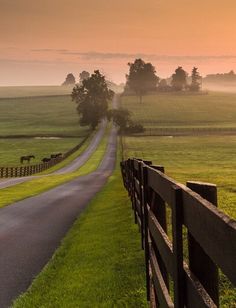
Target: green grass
40 116
12 149
23 91
206 158
99 264
38 185
215 110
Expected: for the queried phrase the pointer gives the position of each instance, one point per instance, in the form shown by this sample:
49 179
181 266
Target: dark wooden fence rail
211 236
26 170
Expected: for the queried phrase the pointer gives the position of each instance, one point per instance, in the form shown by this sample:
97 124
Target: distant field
12 149
54 116
215 111
34 91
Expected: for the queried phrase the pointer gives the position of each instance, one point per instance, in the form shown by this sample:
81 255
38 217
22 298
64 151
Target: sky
42 41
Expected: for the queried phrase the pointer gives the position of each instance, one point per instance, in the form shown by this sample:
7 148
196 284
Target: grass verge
100 262
38 185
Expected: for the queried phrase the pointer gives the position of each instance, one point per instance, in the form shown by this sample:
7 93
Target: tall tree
83 75
141 78
92 98
70 80
179 79
196 80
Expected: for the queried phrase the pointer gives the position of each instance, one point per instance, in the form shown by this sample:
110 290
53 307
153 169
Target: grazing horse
56 155
27 158
46 160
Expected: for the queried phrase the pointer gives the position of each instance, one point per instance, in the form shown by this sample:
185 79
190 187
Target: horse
46 160
27 158
56 155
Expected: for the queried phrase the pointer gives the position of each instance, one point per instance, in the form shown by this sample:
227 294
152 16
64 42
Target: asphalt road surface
31 230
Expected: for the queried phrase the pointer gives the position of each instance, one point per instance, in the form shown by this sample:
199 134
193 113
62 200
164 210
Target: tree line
92 94
142 79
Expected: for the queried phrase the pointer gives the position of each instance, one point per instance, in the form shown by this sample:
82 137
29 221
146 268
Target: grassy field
45 116
186 112
99 264
24 91
12 149
206 157
38 185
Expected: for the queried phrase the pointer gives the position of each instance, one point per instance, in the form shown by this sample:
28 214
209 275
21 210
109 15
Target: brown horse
26 158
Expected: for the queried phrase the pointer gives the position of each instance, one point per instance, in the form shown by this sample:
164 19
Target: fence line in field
211 236
20 171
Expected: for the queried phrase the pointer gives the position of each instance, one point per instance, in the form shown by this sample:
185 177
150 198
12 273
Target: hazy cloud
93 55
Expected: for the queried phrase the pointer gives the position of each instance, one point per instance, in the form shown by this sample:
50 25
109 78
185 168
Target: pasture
39 116
12 149
208 158
26 91
185 113
202 157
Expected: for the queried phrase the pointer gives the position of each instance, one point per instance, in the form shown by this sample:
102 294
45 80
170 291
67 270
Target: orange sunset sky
42 41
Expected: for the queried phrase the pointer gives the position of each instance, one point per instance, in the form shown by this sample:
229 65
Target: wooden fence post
177 232
199 263
146 236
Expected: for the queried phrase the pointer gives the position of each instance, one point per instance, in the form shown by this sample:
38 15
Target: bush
135 128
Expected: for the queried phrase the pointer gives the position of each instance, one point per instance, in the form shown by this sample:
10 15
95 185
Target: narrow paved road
31 230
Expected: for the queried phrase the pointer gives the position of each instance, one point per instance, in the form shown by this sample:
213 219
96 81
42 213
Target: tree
163 86
92 98
195 84
179 79
121 117
141 78
83 75
70 80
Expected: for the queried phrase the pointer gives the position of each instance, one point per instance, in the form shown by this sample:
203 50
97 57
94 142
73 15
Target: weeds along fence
21 171
182 255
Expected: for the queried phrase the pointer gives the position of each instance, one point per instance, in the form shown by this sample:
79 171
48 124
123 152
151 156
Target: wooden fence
196 226
26 170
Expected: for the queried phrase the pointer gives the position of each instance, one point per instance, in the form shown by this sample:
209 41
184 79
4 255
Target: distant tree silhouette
163 86
196 80
141 78
70 80
83 75
92 98
223 77
179 79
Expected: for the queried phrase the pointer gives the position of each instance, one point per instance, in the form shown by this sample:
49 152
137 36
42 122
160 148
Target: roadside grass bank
38 185
12 149
100 262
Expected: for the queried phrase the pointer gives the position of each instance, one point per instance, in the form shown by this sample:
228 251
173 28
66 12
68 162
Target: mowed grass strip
100 263
38 185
